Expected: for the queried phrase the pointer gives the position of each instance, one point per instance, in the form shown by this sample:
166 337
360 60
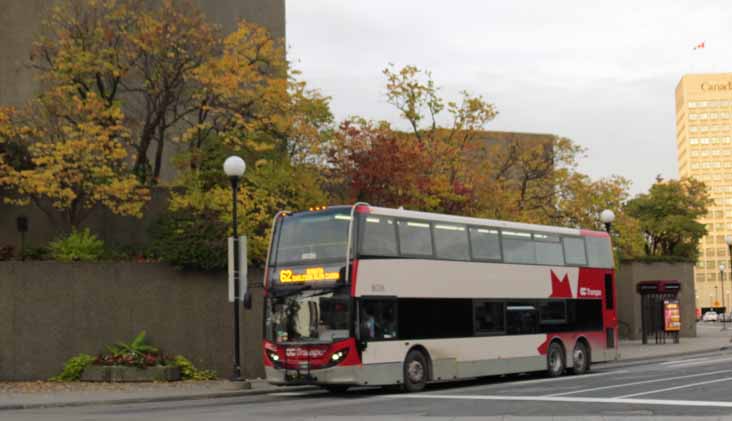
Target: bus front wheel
555 360
415 371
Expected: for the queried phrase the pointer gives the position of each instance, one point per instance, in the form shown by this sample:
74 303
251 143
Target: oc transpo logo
589 292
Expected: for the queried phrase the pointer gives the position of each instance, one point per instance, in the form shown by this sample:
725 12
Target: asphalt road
693 386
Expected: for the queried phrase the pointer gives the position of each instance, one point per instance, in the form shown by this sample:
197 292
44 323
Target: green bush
79 246
73 368
191 240
36 253
189 372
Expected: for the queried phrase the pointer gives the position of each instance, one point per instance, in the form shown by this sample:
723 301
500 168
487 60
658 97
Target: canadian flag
699 46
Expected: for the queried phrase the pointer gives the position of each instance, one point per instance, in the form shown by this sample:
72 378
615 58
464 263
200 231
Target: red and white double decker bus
364 295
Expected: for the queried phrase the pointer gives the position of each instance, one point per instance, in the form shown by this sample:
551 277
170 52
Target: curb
173 398
638 360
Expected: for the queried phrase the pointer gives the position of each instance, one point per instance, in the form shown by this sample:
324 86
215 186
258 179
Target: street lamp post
607 217
234 168
728 240
724 306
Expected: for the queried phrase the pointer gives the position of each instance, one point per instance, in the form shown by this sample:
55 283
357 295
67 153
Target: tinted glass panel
451 242
518 247
599 253
609 293
574 250
415 238
521 319
378 236
378 319
435 318
548 250
489 317
585 314
309 237
553 311
485 243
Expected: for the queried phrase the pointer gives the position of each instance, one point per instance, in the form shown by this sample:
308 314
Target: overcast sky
601 73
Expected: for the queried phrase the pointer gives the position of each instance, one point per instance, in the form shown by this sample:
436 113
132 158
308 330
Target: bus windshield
312 237
308 316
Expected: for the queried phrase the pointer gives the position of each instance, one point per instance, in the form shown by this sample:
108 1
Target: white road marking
685 361
546 380
698 363
576 399
685 386
665 379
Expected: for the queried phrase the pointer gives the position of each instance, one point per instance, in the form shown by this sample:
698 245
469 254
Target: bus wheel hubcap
415 371
579 358
556 361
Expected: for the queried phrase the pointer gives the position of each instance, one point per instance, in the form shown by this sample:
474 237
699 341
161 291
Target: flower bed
136 361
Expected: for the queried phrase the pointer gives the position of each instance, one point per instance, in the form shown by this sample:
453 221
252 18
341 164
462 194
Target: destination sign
315 274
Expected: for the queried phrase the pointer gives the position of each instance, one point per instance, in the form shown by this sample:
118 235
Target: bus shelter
660 310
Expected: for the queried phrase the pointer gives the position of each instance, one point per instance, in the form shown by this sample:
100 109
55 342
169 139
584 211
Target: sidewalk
26 395
709 337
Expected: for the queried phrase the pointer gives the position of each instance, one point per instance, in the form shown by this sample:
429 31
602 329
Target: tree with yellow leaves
78 161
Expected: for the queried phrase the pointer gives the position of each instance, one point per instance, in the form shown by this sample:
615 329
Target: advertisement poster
671 316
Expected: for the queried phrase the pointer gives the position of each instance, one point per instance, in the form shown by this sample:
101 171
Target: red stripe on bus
590 233
354 271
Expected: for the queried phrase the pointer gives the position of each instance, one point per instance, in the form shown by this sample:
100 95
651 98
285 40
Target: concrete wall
51 311
113 229
20 22
629 301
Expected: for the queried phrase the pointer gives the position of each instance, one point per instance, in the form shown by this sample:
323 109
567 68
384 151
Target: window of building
485 244
451 241
415 238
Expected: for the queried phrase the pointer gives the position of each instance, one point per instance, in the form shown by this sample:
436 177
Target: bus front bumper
331 375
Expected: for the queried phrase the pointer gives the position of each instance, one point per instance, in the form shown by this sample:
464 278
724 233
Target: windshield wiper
290 292
293 291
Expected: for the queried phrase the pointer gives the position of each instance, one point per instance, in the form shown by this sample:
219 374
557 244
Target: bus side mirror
247 300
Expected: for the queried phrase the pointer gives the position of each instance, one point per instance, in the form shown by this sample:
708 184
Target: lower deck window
432 318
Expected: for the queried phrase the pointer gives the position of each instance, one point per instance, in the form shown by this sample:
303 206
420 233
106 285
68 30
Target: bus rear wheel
555 360
415 371
580 358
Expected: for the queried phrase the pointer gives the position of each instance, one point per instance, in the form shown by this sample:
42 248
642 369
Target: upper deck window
548 250
599 252
518 247
415 238
312 237
378 236
451 242
574 251
486 243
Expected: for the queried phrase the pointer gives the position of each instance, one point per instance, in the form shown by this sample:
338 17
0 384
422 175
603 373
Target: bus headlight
338 356
273 356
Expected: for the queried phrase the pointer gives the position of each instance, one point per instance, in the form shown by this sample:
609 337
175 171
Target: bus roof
494 223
